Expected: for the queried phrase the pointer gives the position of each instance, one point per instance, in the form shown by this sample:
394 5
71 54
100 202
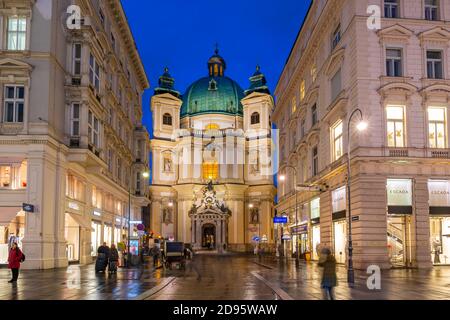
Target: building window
336 38
314 72
14 104
94 130
314 114
436 125
75 120
396 126
13 176
302 128
255 119
302 90
17 33
391 9
138 182
113 42
315 161
76 51
110 160
394 63
337 140
167 119
336 86
102 17
294 104
432 10
94 73
119 169
434 65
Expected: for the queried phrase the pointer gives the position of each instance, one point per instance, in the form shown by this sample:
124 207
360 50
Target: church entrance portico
209 219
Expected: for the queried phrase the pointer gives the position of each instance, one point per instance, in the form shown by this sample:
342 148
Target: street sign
141 233
256 239
355 218
140 227
28 207
280 220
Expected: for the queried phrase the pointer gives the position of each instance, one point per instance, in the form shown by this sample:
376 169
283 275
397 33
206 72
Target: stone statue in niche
167 164
167 216
254 162
254 216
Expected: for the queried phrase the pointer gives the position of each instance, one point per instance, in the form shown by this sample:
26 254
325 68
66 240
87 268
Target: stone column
44 242
326 220
420 225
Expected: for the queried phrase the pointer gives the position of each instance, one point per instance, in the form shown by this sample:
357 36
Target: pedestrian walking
329 279
14 259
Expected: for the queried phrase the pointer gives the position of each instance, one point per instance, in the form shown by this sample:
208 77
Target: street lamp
361 126
145 174
283 179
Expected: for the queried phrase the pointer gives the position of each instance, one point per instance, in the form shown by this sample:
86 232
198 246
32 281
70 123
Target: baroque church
213 161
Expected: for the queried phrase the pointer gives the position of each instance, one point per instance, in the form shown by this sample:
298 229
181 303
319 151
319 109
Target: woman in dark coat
329 279
14 260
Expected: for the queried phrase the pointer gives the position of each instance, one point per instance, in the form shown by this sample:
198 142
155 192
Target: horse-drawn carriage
174 253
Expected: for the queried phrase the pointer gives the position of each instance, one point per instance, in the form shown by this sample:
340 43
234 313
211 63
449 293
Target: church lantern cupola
166 84
258 83
216 65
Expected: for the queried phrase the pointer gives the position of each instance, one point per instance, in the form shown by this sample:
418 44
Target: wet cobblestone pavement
211 277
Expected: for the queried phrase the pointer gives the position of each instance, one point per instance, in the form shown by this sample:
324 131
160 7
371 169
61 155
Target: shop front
439 200
399 213
315 228
339 210
300 240
96 236
12 229
75 223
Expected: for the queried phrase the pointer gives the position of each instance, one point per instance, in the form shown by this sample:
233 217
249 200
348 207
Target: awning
79 219
8 214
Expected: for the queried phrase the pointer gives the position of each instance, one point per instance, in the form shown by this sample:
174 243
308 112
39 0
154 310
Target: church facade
212 151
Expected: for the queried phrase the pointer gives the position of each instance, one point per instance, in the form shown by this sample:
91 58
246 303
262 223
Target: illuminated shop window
13 176
395 126
436 125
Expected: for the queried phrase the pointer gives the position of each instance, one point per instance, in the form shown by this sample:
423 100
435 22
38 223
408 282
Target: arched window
167 119
255 118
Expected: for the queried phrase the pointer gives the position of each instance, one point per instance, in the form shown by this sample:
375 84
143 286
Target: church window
255 118
167 119
211 170
212 126
212 85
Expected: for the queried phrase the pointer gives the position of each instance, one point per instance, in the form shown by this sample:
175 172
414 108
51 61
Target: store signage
97 213
264 238
355 218
439 193
399 192
28 207
338 200
136 222
74 206
280 220
286 237
256 239
300 229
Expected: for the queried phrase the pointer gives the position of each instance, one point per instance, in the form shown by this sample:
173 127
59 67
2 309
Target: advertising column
440 221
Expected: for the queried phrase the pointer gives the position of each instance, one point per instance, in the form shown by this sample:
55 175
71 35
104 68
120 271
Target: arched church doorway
209 236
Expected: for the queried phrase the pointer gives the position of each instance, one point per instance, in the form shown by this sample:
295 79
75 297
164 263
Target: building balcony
89 158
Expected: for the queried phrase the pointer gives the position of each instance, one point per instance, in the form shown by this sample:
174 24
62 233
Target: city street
212 277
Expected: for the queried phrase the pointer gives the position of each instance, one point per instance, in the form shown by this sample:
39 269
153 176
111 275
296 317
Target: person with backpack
327 261
14 259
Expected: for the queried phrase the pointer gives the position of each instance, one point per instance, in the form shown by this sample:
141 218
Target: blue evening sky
181 34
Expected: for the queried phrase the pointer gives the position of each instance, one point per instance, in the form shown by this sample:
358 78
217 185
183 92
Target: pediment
13 63
335 60
437 92
396 31
312 95
435 34
398 87
167 98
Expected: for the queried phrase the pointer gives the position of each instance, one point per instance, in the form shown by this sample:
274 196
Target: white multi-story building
72 142
398 75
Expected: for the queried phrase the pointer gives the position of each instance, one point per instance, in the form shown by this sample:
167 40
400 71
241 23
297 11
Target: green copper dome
213 94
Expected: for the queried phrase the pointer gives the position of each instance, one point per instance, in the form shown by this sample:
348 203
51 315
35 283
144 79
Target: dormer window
212 85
